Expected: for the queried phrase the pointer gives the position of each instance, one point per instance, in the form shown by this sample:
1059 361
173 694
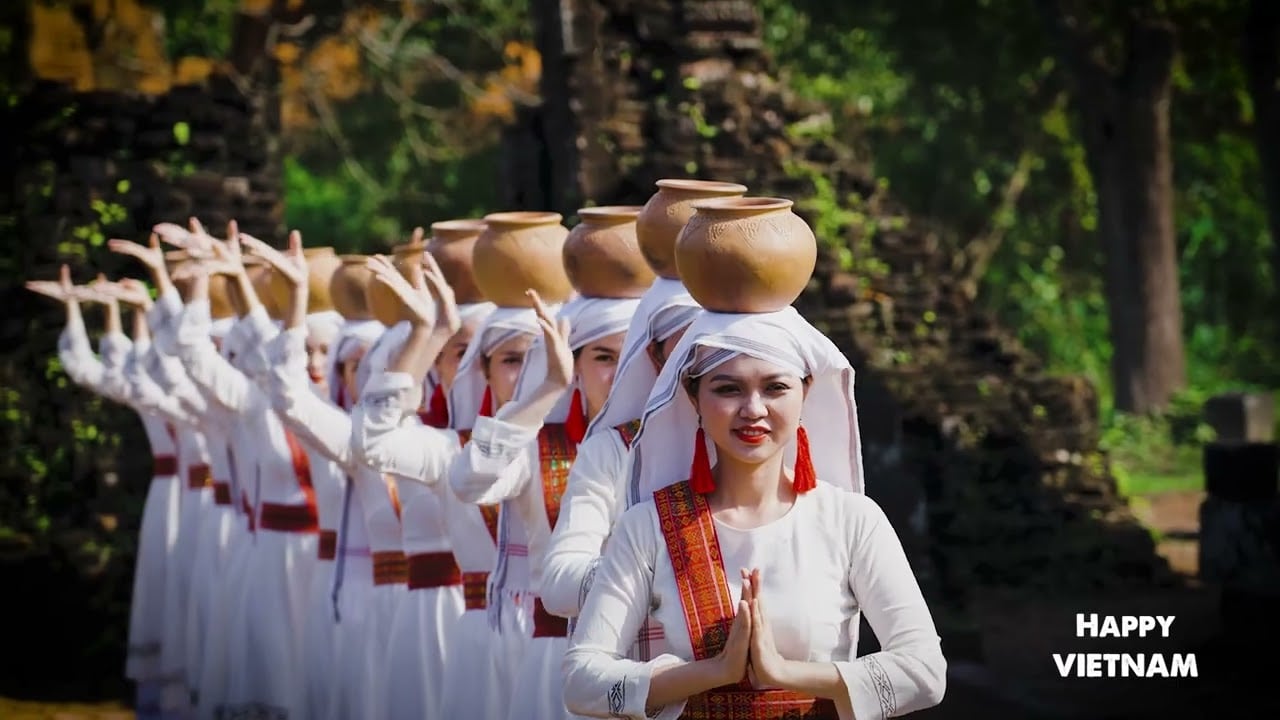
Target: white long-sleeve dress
526 470
159 526
832 557
389 439
265 641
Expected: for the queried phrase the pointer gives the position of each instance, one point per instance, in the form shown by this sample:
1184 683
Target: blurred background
1050 236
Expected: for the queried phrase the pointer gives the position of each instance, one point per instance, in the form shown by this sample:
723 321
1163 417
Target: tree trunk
1125 126
1262 65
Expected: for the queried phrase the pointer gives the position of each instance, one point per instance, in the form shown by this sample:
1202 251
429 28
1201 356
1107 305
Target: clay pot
382 302
220 305
664 216
347 287
260 276
745 255
321 264
519 251
451 245
602 256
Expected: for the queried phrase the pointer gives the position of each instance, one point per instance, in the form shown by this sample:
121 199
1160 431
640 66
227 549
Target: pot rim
710 187
523 218
318 251
753 205
610 213
450 230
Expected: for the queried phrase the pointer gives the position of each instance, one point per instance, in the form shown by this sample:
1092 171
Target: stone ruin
988 466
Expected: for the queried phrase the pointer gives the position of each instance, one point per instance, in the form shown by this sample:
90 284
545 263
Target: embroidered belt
547 625
221 493
328 547
289 518
390 567
733 703
198 477
433 570
163 465
473 589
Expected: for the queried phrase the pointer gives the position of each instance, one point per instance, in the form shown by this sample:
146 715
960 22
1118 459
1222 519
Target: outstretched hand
448 319
61 289
150 255
411 293
291 264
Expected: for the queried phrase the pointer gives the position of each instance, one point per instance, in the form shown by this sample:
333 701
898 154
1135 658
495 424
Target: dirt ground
1018 679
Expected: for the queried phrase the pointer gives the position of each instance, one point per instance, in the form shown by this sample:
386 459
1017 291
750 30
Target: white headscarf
665 308
467 393
589 320
352 337
663 450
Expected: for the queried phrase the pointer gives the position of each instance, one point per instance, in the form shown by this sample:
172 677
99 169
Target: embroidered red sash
221 493
473 590
294 518
390 567
198 477
433 570
327 549
690 534
547 625
164 465
556 453
628 431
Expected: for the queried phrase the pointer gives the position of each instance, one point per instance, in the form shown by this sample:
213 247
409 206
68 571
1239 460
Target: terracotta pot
746 255
664 216
519 251
602 256
260 276
347 287
451 244
220 305
321 264
382 302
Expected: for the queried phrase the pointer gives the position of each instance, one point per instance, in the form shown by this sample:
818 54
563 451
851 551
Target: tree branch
1080 47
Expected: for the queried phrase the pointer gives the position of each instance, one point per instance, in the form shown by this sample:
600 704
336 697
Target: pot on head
322 262
452 245
665 214
347 287
519 251
382 301
602 256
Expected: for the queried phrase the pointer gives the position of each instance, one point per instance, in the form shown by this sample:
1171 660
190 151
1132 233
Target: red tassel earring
437 409
805 478
700 478
575 426
486 404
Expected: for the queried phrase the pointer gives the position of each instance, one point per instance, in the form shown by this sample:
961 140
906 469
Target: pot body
519 251
666 213
602 255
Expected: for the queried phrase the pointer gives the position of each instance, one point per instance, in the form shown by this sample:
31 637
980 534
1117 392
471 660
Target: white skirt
175 695
381 611
319 645
158 532
418 652
350 637
223 622
540 683
472 686
265 651
207 570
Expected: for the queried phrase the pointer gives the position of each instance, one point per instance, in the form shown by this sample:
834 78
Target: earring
575 425
700 477
805 479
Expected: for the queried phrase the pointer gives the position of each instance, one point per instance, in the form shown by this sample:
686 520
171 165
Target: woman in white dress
759 566
390 438
598 485
265 643
158 530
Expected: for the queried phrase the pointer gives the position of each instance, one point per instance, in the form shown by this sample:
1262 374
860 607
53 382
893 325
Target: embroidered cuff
870 688
495 439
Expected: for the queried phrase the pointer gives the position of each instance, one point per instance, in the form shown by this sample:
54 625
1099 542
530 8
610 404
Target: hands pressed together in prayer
749 650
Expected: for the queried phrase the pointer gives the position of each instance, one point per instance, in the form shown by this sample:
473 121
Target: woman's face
595 366
750 409
451 356
351 388
502 368
317 359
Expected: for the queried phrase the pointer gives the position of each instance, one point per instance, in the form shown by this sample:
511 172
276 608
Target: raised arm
385 438
74 350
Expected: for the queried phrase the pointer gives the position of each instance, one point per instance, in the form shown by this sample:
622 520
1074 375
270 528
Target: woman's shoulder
845 507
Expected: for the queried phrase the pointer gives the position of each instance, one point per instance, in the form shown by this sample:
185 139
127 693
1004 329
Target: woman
392 440
763 522
597 489
525 463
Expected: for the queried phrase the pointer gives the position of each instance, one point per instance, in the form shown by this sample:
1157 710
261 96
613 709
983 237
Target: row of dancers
608 506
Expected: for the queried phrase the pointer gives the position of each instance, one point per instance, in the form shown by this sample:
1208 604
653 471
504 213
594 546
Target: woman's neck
756 489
